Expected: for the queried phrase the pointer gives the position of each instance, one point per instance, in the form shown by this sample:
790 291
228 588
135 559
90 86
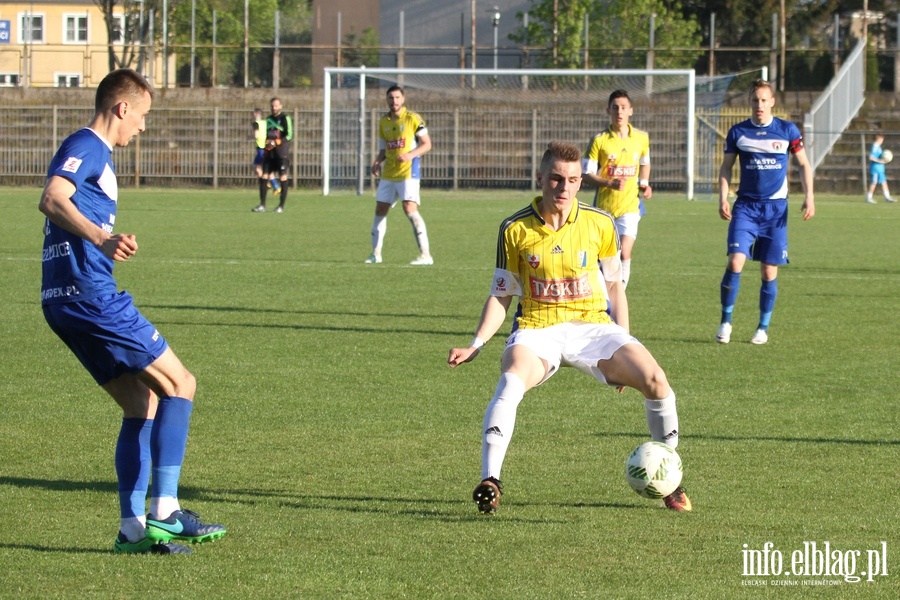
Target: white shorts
627 224
391 191
578 344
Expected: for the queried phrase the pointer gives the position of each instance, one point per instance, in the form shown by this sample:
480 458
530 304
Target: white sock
134 528
499 422
626 272
662 420
162 508
379 228
418 226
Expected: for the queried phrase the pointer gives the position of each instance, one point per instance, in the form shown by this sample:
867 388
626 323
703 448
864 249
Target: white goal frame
362 72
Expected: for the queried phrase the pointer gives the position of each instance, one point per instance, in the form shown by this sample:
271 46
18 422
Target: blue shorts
258 159
758 229
877 175
109 335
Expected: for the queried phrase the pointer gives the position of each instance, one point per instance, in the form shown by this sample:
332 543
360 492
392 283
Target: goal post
520 98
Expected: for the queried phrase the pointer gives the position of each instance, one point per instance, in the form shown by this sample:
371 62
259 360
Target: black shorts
275 163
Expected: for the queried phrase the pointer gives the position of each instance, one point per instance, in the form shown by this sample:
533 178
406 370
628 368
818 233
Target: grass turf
333 441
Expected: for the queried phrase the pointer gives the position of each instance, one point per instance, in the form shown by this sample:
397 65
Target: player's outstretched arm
492 317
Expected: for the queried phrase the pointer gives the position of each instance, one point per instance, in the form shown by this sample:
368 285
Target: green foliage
873 78
294 26
361 49
617 23
332 439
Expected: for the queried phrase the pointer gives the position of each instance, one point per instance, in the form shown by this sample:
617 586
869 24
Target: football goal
489 127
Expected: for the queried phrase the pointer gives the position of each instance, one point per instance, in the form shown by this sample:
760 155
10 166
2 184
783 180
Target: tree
229 33
131 30
558 25
360 50
742 24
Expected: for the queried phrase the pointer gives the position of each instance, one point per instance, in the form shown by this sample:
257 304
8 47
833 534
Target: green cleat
183 525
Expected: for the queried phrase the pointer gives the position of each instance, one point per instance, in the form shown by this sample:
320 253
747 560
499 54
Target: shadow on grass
60 550
763 438
331 328
450 511
280 311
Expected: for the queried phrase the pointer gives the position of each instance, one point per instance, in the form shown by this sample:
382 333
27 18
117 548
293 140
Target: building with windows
66 43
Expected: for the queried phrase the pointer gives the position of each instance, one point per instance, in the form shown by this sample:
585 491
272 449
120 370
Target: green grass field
340 450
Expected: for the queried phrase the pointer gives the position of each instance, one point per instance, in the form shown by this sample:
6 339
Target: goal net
489 127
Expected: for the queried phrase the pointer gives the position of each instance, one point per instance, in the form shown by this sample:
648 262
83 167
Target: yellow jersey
396 136
610 157
555 274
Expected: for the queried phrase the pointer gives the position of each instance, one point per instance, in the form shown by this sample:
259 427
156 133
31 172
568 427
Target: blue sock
168 441
275 185
767 294
133 466
731 283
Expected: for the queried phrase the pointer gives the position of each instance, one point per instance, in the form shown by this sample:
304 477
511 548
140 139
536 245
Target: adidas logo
494 431
556 250
670 435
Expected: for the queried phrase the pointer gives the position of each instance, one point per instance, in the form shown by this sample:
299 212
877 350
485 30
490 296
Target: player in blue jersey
758 219
122 351
877 172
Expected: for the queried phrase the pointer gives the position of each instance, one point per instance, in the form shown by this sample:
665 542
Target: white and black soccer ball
653 470
887 156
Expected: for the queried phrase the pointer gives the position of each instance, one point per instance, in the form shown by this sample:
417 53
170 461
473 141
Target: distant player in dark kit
279 134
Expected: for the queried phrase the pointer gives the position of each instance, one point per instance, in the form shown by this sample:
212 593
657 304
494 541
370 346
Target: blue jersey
876 168
764 153
74 268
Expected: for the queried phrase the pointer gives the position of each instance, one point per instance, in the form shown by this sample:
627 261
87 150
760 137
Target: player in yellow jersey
617 163
550 255
402 140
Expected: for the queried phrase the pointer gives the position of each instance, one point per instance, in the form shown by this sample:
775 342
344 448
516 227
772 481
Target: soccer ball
653 470
887 156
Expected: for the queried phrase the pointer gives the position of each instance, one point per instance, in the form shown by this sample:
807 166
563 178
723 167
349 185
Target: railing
473 149
836 107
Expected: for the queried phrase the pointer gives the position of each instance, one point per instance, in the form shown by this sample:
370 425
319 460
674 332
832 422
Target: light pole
496 21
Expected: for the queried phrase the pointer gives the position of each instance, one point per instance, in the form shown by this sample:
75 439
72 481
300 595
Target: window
33 24
68 80
75 29
118 32
9 79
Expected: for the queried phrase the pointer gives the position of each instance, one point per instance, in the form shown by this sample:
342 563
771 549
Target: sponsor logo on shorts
59 292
